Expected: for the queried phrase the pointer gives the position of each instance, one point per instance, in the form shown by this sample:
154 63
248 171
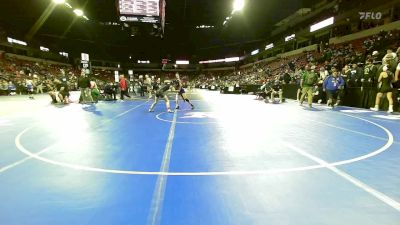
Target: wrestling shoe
376 108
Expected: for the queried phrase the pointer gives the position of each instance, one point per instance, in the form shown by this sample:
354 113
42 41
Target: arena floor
232 160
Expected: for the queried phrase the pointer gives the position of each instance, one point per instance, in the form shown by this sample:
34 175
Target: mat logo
199 115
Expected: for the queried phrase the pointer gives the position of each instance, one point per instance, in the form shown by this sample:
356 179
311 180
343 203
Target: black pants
124 93
367 97
141 91
111 95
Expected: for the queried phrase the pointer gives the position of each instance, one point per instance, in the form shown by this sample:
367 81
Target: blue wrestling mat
233 160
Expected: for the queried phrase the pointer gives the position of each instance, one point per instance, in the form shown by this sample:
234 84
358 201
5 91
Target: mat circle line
389 143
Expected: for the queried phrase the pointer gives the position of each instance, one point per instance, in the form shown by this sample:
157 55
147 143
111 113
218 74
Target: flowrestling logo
370 15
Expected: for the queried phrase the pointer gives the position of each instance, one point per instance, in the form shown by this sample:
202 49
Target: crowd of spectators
17 74
20 76
348 59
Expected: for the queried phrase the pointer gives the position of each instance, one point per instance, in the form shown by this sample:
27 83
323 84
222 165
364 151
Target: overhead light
232 59
68 5
224 22
290 37
269 46
78 12
64 54
255 52
322 24
85 17
84 56
182 62
59 1
44 49
238 5
15 41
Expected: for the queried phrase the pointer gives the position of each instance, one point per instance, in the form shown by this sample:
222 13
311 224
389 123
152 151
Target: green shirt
309 79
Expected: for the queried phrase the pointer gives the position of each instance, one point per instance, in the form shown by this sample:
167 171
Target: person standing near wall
308 81
367 84
124 86
84 86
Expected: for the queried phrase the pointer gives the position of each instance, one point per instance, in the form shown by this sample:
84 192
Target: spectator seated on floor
63 92
264 91
53 93
276 90
110 91
12 89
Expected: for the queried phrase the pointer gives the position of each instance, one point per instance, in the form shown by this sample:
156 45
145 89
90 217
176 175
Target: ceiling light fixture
238 5
68 5
59 1
78 12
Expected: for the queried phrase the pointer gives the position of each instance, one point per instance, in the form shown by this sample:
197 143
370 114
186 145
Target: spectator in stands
346 74
39 87
396 84
12 89
286 77
367 85
20 87
323 73
3 87
332 85
29 87
356 73
308 81
391 60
